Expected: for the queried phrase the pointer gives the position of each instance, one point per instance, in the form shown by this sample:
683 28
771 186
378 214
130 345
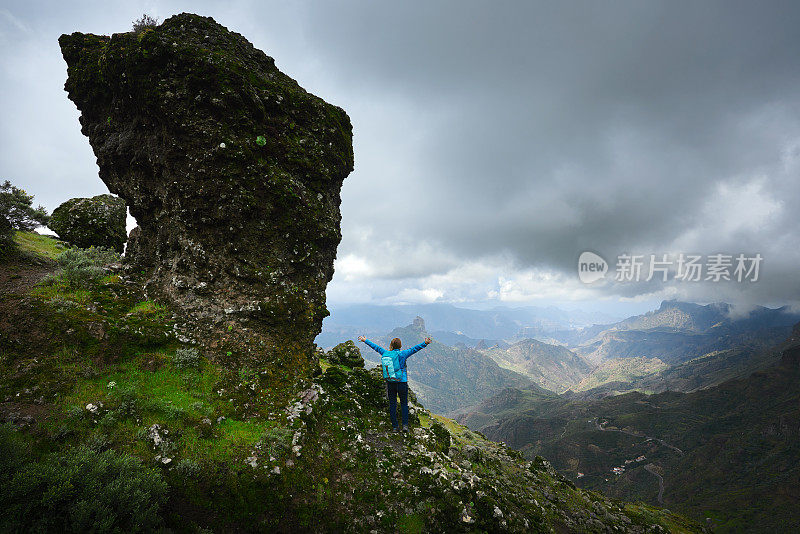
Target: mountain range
456 324
448 378
726 453
680 347
550 366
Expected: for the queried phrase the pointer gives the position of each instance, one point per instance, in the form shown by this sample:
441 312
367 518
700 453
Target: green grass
146 308
411 524
39 245
59 290
164 387
233 438
177 400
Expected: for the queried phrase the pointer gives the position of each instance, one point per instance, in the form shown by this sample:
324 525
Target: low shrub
80 268
144 22
81 490
187 469
441 435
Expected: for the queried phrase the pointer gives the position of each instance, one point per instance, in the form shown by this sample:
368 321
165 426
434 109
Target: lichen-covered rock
346 354
91 222
233 173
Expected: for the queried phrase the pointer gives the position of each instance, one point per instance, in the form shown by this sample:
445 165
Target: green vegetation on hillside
550 366
727 452
38 245
116 425
621 370
17 214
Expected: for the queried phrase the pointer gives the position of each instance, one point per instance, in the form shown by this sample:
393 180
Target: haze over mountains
679 346
453 323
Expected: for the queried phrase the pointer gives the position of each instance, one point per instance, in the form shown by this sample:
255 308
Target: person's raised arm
415 348
380 350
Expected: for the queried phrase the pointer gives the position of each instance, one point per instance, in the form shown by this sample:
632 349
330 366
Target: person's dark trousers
393 389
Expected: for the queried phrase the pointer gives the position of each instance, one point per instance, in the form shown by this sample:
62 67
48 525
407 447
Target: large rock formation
97 221
232 171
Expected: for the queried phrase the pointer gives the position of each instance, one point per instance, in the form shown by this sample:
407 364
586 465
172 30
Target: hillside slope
727 452
681 346
111 422
549 366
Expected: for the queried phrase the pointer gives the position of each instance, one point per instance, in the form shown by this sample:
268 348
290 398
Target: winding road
650 468
637 435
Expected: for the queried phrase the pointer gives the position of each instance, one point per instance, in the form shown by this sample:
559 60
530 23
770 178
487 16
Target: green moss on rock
347 354
233 173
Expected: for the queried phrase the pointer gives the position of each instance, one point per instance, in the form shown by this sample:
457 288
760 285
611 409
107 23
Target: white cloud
416 296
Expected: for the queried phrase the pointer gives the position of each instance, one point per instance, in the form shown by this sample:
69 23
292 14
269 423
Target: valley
688 406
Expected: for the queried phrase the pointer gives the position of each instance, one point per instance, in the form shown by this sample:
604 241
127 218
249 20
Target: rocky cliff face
232 171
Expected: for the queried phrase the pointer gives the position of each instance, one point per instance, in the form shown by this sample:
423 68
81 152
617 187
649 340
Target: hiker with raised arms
393 364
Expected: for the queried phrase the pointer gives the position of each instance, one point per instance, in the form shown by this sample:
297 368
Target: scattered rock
154 434
466 517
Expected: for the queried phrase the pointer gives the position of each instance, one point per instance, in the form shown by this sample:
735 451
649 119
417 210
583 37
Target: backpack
390 363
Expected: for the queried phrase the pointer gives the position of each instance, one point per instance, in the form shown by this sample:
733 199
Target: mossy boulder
346 354
233 173
91 222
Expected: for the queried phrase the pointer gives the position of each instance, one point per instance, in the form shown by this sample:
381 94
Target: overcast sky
496 141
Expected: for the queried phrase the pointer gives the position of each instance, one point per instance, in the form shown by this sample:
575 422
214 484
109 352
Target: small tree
146 21
16 208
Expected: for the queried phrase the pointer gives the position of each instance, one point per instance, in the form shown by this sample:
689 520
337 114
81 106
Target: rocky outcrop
232 171
97 221
346 354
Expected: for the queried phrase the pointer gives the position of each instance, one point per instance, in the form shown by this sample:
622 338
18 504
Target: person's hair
395 344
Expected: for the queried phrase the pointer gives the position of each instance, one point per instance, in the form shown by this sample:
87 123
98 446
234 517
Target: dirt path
17 277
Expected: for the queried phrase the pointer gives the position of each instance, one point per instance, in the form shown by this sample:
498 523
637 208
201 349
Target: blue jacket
402 356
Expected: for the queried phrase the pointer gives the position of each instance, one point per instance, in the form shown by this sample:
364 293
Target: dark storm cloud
495 141
554 129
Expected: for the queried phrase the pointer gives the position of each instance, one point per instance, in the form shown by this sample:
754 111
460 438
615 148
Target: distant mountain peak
419 323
